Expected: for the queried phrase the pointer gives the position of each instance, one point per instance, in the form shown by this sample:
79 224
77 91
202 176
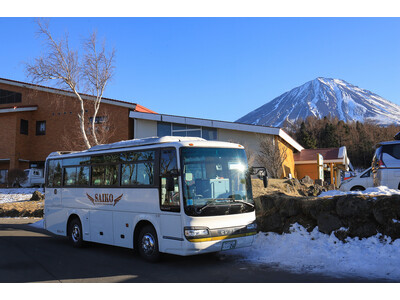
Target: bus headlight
196 232
252 226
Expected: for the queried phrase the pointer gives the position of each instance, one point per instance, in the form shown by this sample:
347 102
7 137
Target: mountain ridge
322 97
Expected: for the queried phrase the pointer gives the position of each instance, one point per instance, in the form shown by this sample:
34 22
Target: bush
37 196
15 177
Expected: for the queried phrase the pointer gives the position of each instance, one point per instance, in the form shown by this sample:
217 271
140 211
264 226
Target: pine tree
305 138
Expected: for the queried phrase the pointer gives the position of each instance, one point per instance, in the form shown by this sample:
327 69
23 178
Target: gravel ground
16 203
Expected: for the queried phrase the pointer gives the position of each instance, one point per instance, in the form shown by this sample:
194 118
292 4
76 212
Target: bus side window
82 178
137 173
105 175
69 176
169 173
54 173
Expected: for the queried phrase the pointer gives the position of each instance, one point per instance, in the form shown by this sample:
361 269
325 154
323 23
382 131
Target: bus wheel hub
148 244
75 233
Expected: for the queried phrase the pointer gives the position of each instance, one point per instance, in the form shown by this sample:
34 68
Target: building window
24 127
3 176
163 129
167 129
40 127
209 134
9 97
186 130
98 120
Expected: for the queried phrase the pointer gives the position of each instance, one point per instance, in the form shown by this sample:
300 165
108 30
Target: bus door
54 186
170 218
54 216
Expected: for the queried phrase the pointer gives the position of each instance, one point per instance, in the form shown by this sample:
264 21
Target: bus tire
148 244
75 233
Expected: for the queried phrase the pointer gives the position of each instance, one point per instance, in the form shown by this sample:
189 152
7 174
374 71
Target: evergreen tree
359 138
306 139
329 138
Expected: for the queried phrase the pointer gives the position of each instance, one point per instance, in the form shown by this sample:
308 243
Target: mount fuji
322 97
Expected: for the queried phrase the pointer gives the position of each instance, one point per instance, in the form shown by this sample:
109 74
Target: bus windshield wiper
244 202
214 201
209 203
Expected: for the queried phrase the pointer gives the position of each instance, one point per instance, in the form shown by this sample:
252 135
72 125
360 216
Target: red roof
311 154
141 108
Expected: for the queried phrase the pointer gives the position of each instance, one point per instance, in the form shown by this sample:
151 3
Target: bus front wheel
148 244
75 233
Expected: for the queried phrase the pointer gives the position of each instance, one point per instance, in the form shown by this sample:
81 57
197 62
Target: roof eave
218 124
66 93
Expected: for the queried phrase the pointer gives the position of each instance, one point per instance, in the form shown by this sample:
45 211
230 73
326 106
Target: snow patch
373 191
303 252
17 194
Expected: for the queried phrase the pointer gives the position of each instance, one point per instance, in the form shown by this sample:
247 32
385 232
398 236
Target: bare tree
70 72
15 177
271 156
104 130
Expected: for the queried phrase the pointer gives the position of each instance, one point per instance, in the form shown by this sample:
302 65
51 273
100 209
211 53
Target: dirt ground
22 209
274 186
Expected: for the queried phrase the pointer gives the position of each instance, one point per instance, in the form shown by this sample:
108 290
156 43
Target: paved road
28 254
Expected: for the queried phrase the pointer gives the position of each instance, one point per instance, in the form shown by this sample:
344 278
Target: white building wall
247 139
144 128
250 140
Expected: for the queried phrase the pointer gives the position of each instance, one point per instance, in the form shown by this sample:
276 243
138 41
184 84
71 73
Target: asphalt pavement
29 254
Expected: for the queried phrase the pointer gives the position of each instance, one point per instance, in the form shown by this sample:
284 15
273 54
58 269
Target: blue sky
222 68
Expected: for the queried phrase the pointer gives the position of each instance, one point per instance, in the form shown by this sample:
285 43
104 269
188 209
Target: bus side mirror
265 181
261 173
170 185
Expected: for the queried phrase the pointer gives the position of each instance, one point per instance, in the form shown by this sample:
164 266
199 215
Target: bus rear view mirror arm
170 185
261 173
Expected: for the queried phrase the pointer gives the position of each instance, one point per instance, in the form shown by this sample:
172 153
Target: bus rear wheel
148 244
75 233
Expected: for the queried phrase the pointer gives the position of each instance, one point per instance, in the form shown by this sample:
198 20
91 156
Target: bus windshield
216 181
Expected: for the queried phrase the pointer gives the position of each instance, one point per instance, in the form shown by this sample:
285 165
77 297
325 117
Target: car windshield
216 181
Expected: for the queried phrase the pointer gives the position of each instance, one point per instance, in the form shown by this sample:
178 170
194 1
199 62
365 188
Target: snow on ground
17 194
374 258
373 191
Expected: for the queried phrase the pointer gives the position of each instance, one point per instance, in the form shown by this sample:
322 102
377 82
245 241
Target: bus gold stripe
222 237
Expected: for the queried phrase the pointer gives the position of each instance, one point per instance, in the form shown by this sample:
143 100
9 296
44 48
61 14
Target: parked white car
386 165
34 178
358 183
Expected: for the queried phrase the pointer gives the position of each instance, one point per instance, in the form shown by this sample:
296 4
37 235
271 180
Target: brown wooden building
37 120
335 160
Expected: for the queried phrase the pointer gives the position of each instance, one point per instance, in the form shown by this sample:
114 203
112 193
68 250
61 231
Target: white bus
178 195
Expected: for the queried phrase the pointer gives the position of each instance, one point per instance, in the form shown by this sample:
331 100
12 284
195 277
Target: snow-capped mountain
321 97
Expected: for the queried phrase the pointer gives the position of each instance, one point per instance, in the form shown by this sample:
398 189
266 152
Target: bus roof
144 142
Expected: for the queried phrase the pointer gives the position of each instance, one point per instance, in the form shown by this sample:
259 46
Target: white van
178 195
386 165
358 183
34 178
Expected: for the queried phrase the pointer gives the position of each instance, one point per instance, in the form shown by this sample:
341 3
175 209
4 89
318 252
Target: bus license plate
228 245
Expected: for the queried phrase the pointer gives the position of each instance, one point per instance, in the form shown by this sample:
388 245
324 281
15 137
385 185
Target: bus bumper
199 247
